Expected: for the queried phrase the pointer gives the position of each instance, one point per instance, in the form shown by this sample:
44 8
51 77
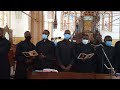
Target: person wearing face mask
4 60
100 57
23 63
65 53
46 50
84 65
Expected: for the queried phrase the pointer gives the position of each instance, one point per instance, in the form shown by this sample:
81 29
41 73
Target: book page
81 56
33 53
88 56
26 54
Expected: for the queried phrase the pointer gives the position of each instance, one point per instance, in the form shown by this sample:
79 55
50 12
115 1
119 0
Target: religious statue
87 23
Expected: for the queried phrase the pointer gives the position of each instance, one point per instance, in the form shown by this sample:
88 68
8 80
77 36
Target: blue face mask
44 36
108 43
67 36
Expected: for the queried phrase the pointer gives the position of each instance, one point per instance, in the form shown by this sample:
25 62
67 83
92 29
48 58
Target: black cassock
65 52
47 48
101 59
117 57
21 67
4 61
86 66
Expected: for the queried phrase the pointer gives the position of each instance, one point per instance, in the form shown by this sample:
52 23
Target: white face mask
84 41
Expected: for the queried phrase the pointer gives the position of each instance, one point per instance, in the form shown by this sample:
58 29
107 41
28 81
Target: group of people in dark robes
64 56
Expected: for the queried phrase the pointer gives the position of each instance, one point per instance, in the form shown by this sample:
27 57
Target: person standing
84 65
46 50
65 53
4 60
23 62
101 59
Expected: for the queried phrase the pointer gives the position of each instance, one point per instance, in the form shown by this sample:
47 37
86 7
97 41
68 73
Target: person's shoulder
49 41
32 43
21 42
39 42
5 39
60 42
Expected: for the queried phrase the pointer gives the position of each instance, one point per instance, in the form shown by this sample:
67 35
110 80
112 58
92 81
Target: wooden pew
105 76
68 75
60 75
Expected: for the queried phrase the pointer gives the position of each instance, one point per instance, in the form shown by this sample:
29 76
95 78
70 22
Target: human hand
68 67
63 67
42 56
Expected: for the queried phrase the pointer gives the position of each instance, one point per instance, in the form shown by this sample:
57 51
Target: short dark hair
47 31
84 34
107 38
26 33
67 31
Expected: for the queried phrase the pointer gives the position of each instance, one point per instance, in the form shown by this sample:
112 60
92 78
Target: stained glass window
68 20
1 17
65 20
106 21
72 21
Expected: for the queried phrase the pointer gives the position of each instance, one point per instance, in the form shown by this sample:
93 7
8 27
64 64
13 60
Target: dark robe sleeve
37 61
5 49
18 54
58 53
36 48
94 59
51 54
116 57
73 54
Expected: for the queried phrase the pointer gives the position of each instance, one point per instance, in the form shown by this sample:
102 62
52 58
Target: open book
85 56
32 53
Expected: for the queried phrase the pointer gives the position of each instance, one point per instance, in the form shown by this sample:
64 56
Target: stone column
36 25
50 23
9 19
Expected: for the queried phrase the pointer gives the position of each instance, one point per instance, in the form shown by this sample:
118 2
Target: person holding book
84 60
101 59
24 61
46 50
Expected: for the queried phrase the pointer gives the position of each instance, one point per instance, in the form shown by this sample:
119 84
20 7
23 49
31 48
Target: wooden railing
68 75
